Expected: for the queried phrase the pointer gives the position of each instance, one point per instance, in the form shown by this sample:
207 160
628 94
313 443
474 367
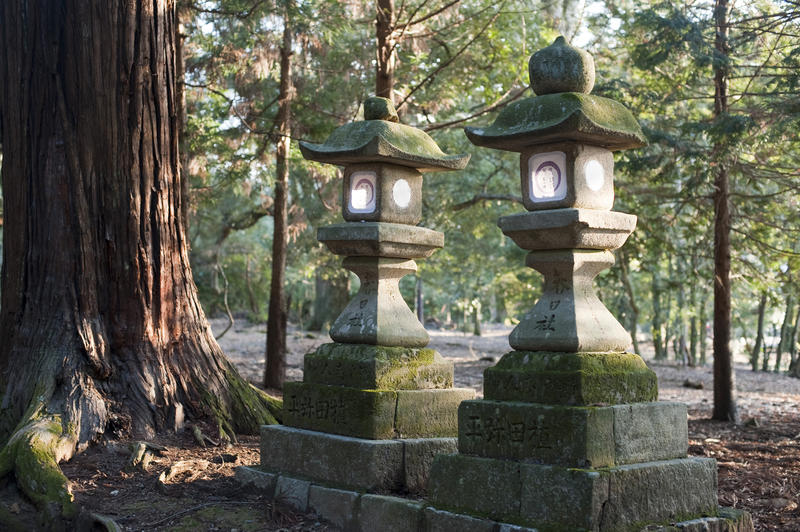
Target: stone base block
622 498
570 378
373 367
355 463
373 414
573 436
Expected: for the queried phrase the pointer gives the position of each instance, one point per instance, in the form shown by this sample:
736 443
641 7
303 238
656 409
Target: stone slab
728 520
418 455
389 514
340 410
553 497
444 521
372 465
336 506
670 490
257 479
380 239
570 378
373 367
482 487
573 436
568 228
429 413
292 492
570 436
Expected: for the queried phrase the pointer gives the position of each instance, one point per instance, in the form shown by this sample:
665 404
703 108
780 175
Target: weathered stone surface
340 410
418 455
729 520
380 239
378 314
382 193
570 436
257 479
570 378
378 108
670 490
646 432
429 413
570 228
569 317
573 436
292 492
338 460
389 514
443 521
382 141
566 116
377 367
333 505
561 68
483 487
505 527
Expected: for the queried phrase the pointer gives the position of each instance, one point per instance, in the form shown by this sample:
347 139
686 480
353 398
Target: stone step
554 497
352 510
401 465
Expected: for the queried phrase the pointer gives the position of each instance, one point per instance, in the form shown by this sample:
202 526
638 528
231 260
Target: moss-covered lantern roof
563 110
381 138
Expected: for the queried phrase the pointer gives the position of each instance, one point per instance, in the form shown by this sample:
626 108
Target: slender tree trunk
101 325
756 352
724 377
275 368
657 326
703 332
633 323
419 301
386 56
793 358
331 295
785 328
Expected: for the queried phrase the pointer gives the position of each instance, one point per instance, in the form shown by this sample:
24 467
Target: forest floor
758 460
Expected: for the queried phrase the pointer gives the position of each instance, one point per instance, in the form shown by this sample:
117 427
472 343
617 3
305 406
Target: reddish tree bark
275 368
385 65
724 384
100 325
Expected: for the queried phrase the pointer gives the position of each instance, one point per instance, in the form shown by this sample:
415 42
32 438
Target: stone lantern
390 400
569 436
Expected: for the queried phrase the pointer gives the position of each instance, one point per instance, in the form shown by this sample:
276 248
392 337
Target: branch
429 15
498 104
441 67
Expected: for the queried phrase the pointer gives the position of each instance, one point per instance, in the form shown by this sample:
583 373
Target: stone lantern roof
563 110
380 138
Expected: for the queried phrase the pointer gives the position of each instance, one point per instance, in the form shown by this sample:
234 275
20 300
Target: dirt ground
758 460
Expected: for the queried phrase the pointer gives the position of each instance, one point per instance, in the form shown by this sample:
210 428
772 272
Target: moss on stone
571 378
382 141
377 367
566 116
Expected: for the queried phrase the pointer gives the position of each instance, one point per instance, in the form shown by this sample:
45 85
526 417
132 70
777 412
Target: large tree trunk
724 384
275 369
101 328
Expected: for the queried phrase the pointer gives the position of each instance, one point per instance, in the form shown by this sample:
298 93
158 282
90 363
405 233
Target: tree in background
102 332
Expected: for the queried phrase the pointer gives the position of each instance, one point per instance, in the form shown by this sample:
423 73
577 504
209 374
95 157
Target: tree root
32 455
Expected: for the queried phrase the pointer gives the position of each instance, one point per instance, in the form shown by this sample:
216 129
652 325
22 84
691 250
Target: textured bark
724 384
386 57
275 369
786 325
101 326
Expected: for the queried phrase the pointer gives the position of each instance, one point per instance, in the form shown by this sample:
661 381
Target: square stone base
622 498
573 436
373 414
401 465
